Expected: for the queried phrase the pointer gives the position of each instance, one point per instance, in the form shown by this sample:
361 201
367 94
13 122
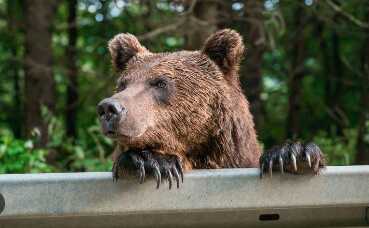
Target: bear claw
162 167
292 157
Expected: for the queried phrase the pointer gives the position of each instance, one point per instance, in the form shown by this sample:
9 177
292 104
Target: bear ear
225 48
122 48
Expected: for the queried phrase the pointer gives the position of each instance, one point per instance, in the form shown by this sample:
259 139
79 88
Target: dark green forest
305 72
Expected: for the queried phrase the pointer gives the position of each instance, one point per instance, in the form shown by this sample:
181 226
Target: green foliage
98 21
340 150
88 153
91 152
20 156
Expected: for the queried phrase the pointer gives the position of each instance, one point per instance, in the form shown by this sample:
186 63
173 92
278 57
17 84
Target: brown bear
186 110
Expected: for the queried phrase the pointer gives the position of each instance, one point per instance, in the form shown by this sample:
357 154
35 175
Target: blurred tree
201 23
334 85
324 57
72 71
15 118
296 46
251 75
38 58
362 154
322 46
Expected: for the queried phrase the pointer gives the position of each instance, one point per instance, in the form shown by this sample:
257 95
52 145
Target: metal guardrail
207 198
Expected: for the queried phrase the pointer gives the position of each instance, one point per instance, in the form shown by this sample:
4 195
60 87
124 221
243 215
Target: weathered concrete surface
208 198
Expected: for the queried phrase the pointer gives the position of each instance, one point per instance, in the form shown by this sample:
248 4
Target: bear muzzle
110 112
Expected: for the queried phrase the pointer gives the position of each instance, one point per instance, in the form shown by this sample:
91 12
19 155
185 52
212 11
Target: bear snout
110 112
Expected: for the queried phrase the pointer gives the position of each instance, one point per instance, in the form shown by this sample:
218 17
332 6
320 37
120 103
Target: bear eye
160 83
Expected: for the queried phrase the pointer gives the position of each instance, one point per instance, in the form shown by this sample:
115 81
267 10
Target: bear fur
206 122
187 107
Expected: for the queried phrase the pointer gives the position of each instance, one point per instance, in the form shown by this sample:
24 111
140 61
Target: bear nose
109 107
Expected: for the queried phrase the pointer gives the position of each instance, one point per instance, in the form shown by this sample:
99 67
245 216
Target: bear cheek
140 117
130 129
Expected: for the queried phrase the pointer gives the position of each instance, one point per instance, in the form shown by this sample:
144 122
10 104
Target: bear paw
292 157
163 167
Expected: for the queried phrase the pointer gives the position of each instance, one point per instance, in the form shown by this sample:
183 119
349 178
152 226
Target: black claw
158 179
308 159
170 178
115 172
311 150
176 175
281 164
116 166
142 173
139 164
271 167
314 156
179 168
147 162
157 176
294 162
316 166
290 156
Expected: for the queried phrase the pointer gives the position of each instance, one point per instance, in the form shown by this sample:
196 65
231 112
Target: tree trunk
334 88
72 72
333 73
334 85
297 74
324 57
362 147
16 114
39 81
251 75
202 25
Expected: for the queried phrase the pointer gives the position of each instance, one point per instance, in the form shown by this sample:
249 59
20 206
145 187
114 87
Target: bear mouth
109 132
